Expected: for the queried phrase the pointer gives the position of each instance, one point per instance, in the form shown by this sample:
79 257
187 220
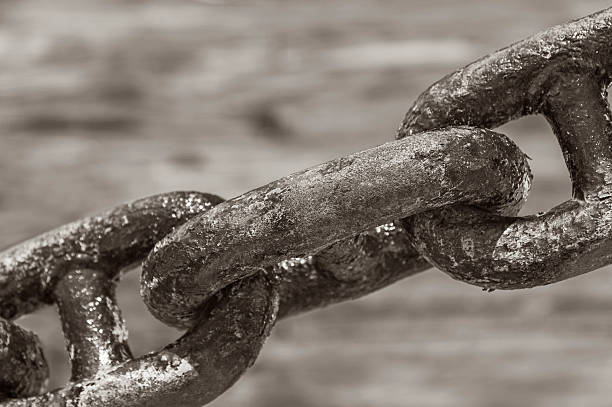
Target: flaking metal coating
228 270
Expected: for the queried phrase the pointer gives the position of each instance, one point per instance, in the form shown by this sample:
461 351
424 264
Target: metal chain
446 193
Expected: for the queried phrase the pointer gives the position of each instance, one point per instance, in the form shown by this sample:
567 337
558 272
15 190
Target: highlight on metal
445 193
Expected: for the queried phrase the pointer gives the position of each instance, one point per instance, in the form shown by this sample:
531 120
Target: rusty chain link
445 193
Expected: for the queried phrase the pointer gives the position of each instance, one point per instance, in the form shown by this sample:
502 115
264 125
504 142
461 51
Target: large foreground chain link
446 193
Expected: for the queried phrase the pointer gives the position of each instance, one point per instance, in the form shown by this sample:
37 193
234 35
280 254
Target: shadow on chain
228 270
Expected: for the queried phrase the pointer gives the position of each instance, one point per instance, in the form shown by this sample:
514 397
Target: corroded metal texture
229 270
96 336
229 327
58 267
563 74
191 372
346 269
513 81
277 221
23 368
107 242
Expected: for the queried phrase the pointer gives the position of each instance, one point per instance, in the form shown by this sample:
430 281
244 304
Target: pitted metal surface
107 242
563 74
275 222
24 368
446 193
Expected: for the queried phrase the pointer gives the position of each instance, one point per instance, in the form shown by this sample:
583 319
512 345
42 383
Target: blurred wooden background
103 102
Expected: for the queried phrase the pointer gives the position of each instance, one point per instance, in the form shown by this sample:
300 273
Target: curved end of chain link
352 194
562 73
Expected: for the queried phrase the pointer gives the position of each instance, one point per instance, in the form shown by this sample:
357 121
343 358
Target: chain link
445 193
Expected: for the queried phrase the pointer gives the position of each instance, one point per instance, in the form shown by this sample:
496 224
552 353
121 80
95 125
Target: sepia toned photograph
282 203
